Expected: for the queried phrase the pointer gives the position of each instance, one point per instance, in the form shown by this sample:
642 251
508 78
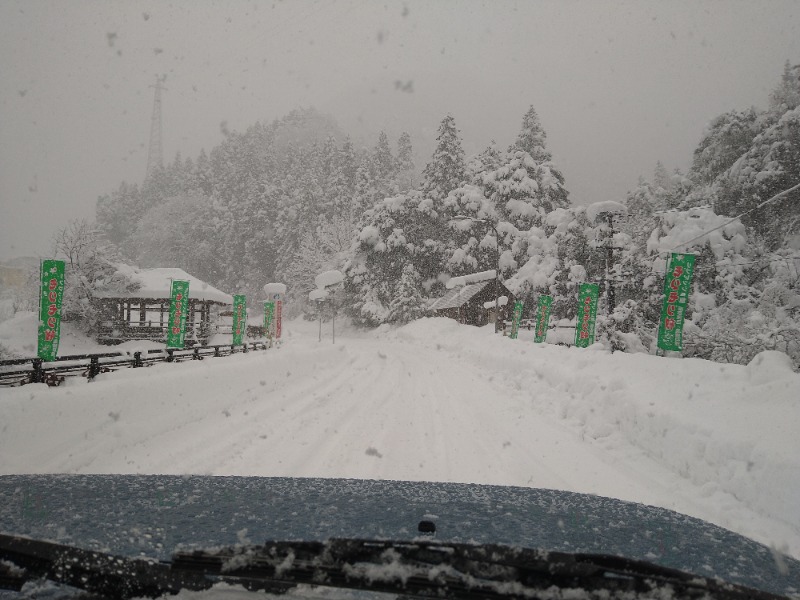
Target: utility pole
608 246
155 153
610 297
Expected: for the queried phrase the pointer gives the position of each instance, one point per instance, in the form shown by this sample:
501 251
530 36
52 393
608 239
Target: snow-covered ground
439 401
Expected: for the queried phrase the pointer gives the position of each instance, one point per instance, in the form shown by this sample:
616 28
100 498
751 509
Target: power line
625 276
744 214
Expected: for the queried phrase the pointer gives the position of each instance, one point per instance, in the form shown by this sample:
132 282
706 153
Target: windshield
542 246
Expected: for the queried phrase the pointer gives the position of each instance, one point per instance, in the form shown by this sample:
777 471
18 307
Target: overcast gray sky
618 85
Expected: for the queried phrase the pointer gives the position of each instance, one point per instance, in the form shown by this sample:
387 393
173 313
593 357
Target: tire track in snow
342 440
218 444
170 428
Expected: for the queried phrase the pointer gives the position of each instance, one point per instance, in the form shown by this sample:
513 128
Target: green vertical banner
542 318
269 317
587 314
677 285
178 309
239 319
515 321
51 297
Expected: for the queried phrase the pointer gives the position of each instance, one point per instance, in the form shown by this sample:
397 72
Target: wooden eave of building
465 303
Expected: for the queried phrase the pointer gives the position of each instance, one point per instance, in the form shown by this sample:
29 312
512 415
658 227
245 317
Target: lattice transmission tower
155 154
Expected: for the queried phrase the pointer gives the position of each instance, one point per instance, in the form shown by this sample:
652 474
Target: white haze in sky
617 85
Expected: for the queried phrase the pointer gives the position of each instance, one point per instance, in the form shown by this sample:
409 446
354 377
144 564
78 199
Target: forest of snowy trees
291 199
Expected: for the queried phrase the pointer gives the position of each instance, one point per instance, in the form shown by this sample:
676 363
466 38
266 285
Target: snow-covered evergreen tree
641 202
661 179
366 192
116 214
203 175
384 167
727 137
524 191
345 181
446 169
786 96
326 165
472 246
488 160
532 138
771 165
405 163
398 231
408 302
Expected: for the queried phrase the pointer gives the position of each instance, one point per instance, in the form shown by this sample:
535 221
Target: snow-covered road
430 402
360 409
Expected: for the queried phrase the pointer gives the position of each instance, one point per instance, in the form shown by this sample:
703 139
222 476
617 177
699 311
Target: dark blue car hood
152 515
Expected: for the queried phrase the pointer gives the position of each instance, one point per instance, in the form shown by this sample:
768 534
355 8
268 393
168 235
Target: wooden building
144 314
467 296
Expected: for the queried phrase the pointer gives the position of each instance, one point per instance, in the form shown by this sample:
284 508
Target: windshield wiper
419 568
103 574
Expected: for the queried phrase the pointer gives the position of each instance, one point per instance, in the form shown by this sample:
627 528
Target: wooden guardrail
19 371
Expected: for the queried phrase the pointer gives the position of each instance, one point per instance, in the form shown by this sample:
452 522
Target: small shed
465 301
144 314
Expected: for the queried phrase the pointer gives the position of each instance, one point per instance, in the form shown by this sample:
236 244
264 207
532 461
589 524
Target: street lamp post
318 296
496 262
327 281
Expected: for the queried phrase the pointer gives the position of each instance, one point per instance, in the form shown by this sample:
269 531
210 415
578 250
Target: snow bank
6 309
19 336
729 430
770 366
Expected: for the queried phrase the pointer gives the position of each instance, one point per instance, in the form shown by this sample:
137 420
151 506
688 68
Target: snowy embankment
729 429
18 337
439 401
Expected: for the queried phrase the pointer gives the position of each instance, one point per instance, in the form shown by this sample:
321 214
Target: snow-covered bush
624 330
90 270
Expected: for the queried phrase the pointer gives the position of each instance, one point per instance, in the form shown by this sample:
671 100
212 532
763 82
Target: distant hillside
304 127
14 272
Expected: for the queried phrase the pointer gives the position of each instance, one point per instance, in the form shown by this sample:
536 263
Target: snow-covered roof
471 278
458 296
157 283
270 289
328 279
